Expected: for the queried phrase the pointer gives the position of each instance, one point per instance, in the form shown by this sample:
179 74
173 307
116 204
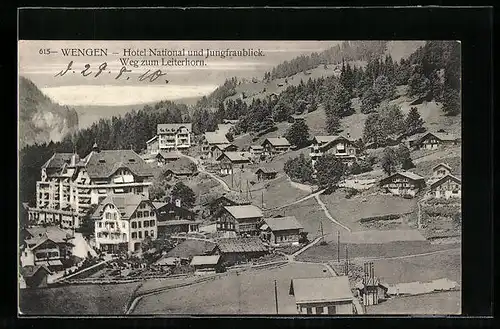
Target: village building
205 264
189 248
49 246
122 222
229 160
372 292
210 139
219 149
161 158
403 183
240 220
69 186
240 249
435 140
35 276
224 128
446 187
265 174
281 231
441 170
168 263
410 141
256 151
152 145
330 295
339 146
216 205
180 168
174 136
275 145
174 219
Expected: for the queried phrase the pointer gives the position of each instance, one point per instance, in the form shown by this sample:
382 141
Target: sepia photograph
298 178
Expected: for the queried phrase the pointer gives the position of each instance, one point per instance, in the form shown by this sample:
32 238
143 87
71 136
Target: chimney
74 159
178 203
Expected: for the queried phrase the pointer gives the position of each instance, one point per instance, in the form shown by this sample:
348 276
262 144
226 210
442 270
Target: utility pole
347 260
262 200
276 295
322 234
338 246
232 177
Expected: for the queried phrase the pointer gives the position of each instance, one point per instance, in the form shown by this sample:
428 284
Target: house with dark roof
70 185
229 160
219 149
242 220
174 219
182 167
122 222
329 295
49 246
174 136
281 231
35 276
403 183
435 140
215 205
448 186
339 146
210 140
240 249
189 248
275 145
265 174
162 157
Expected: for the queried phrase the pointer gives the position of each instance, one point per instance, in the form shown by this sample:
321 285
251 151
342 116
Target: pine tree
184 193
418 84
414 122
341 101
369 101
298 134
383 88
373 132
388 161
329 170
332 123
451 102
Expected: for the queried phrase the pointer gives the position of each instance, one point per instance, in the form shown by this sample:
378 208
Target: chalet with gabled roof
275 145
265 174
435 140
242 220
229 160
339 146
403 183
174 219
446 187
281 231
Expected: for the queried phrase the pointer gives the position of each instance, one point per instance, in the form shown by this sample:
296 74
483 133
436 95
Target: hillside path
307 197
202 169
328 215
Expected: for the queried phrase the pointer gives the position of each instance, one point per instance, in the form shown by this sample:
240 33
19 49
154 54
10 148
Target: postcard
239 177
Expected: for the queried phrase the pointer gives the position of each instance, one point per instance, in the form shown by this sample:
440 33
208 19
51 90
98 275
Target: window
189 216
332 310
115 216
100 224
152 233
319 310
146 213
140 224
140 234
146 234
134 235
146 223
124 225
309 310
139 190
108 215
139 214
151 223
177 217
124 236
134 224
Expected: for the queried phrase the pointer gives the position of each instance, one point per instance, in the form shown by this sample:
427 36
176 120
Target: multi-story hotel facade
174 136
69 186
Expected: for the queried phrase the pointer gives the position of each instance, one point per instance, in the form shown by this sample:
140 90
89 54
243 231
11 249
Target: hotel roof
318 290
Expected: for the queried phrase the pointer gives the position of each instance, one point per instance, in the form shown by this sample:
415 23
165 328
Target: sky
74 89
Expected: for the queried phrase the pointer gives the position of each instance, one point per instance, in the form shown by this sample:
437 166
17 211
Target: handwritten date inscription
149 75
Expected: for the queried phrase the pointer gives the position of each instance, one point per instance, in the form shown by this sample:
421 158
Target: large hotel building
70 185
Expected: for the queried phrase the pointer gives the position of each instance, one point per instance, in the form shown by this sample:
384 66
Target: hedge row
377 218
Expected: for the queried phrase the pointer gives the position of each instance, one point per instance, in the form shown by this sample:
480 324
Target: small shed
265 173
35 276
372 292
205 264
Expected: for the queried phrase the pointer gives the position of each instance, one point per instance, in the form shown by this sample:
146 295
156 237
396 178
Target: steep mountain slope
40 119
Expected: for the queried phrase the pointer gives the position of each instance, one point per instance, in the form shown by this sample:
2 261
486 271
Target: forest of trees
431 72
